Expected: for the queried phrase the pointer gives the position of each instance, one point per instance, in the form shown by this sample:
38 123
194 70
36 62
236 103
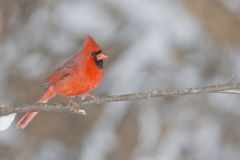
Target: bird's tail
28 117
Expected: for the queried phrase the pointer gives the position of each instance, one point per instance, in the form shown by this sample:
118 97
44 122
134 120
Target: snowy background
152 45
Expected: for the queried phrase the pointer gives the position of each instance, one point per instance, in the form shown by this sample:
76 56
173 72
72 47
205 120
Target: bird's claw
76 107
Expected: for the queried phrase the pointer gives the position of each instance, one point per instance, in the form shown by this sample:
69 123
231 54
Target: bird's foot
76 107
95 98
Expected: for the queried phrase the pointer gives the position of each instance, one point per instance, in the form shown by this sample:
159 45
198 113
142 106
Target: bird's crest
90 45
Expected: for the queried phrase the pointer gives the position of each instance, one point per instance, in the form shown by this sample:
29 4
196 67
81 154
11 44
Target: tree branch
221 88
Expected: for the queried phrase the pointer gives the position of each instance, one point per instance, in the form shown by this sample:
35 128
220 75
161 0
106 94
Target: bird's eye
95 53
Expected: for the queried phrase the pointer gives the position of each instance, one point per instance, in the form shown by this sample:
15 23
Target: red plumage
78 76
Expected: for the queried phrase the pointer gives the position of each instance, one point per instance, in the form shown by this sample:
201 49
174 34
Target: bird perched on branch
78 76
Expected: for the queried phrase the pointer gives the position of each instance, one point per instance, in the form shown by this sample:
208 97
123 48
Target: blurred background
152 45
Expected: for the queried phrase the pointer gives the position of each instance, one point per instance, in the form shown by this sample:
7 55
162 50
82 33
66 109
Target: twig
221 88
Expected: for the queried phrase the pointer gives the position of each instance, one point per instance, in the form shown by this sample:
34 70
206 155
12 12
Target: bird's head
93 51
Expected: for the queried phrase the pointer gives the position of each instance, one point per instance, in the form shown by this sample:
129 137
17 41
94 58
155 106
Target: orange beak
101 56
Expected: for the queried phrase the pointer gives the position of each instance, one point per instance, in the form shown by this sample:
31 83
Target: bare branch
221 88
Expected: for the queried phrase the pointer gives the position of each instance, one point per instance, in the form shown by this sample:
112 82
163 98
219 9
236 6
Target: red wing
61 72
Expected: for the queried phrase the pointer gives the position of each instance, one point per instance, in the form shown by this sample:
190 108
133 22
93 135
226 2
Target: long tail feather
28 117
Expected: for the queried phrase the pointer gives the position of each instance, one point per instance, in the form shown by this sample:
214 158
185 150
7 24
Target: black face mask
99 63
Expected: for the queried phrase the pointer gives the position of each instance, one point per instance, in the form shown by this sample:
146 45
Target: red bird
78 76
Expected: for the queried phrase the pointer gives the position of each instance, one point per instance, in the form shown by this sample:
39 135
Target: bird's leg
76 106
93 97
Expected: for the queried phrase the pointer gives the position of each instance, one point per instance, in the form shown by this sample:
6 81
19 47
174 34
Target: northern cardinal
78 76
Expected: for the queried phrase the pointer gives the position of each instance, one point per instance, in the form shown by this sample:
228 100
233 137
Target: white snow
6 121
